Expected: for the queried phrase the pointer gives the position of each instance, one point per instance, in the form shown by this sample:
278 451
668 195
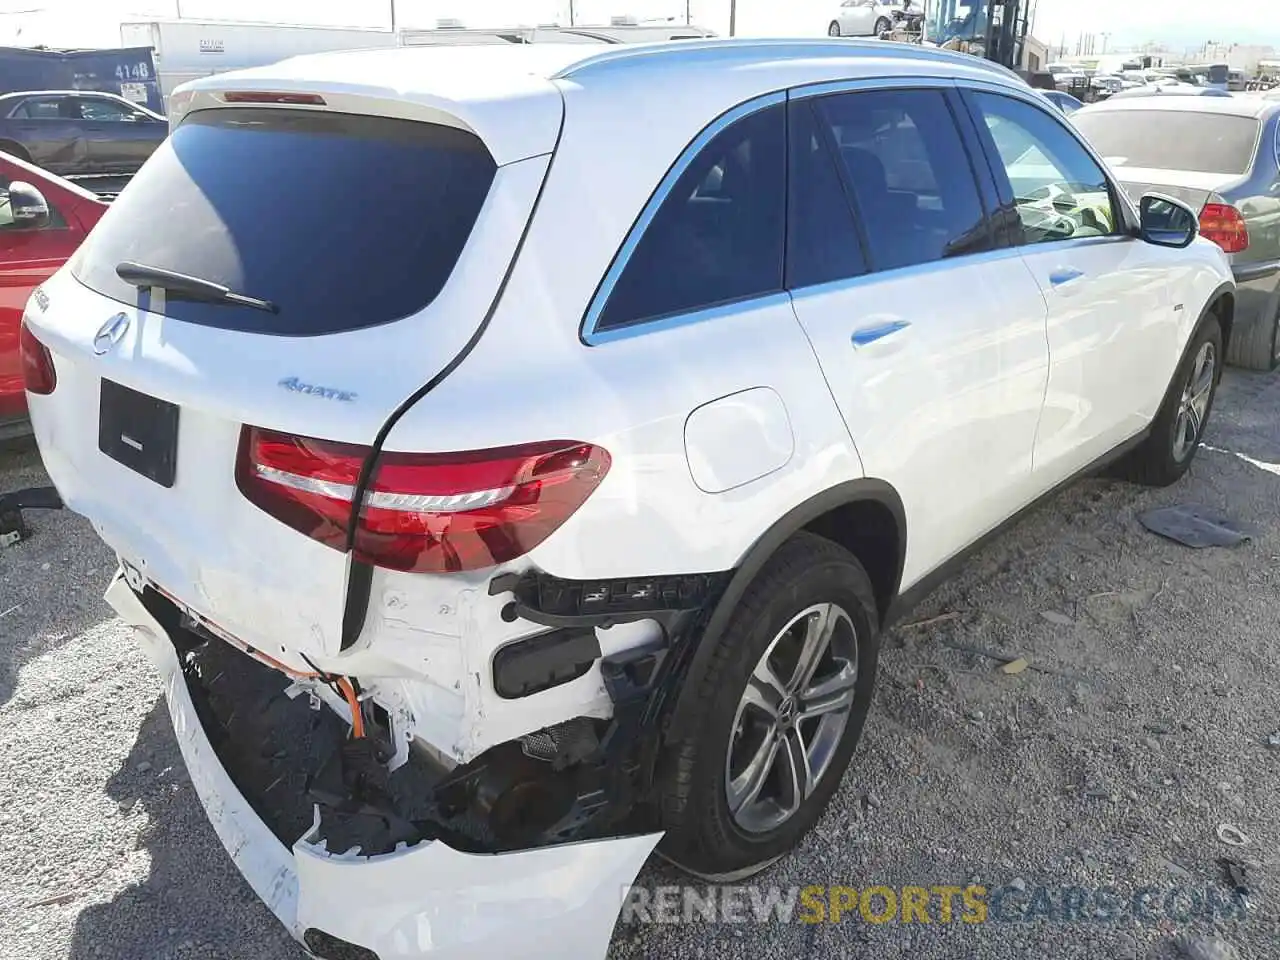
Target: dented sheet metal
420 901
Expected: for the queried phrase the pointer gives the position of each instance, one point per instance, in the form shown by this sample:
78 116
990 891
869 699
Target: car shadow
51 583
193 903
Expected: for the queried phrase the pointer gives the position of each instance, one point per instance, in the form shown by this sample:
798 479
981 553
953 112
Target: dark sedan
79 132
1220 155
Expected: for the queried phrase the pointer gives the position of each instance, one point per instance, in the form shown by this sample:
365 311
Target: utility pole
733 17
571 13
393 16
1105 38
688 13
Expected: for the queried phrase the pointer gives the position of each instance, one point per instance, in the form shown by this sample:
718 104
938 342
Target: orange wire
348 691
357 718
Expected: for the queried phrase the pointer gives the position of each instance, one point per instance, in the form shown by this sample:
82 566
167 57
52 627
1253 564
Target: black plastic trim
1248 272
908 599
538 663
844 494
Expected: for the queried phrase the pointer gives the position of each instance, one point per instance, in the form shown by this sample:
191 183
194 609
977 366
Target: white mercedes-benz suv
514 454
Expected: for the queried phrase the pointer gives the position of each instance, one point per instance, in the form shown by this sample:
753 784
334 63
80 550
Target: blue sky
94 22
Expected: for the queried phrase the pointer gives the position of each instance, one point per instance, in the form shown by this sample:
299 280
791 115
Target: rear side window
910 174
1172 139
342 221
718 237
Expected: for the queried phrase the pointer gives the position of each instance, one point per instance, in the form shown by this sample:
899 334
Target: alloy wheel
791 718
1194 405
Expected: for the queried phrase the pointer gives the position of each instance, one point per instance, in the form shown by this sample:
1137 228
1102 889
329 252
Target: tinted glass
910 174
822 239
1172 139
342 221
719 234
1060 191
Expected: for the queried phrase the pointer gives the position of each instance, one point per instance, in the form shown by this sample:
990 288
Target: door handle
1064 275
870 334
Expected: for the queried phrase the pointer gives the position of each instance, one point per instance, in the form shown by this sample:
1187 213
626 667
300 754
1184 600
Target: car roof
1256 107
490 67
21 94
513 96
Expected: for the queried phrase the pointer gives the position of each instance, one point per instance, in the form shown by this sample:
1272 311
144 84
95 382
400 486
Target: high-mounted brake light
423 512
263 96
38 375
1224 225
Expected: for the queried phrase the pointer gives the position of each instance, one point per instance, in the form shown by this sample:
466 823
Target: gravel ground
1141 726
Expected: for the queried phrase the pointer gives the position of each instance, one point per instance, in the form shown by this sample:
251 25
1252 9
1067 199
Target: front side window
1060 191
718 236
910 174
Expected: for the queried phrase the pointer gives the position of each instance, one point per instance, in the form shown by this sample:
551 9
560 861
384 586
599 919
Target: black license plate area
139 431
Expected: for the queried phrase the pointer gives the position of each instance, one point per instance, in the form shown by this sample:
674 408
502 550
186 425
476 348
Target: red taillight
38 375
423 512
263 96
1223 224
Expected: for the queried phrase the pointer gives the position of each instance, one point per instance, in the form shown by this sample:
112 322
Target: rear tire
812 595
15 150
834 29
1175 436
1254 346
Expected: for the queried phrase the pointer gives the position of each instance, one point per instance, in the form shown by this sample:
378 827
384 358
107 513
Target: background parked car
1218 154
30 252
1170 89
862 18
78 132
1063 101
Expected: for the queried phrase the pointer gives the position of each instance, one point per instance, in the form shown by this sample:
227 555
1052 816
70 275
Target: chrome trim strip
587 329
810 90
674 320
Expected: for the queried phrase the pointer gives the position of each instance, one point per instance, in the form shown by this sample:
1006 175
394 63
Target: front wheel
882 27
834 29
778 713
1180 423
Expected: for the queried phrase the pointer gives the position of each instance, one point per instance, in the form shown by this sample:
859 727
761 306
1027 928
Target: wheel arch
865 516
1221 302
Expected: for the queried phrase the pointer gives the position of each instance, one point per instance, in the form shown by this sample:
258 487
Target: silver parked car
1221 155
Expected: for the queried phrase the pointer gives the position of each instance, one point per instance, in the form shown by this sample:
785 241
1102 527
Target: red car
31 249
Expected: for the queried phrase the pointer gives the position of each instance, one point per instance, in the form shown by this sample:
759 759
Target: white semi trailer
189 49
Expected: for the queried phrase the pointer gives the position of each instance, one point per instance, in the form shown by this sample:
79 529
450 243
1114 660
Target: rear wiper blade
181 286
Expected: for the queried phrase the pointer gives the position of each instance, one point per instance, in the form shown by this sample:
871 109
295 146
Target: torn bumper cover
423 900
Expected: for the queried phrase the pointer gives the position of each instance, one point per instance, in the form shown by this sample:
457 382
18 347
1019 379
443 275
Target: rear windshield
1172 140
341 221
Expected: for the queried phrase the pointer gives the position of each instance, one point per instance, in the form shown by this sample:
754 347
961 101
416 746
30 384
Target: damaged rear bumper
424 900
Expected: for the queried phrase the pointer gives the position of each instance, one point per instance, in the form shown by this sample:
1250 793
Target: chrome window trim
825 88
587 330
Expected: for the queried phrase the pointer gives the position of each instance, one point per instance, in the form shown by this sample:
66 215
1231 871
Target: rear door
120 138
857 18
932 339
48 128
379 242
1112 328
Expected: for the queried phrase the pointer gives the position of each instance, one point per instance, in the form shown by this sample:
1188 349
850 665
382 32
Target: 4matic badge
295 385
